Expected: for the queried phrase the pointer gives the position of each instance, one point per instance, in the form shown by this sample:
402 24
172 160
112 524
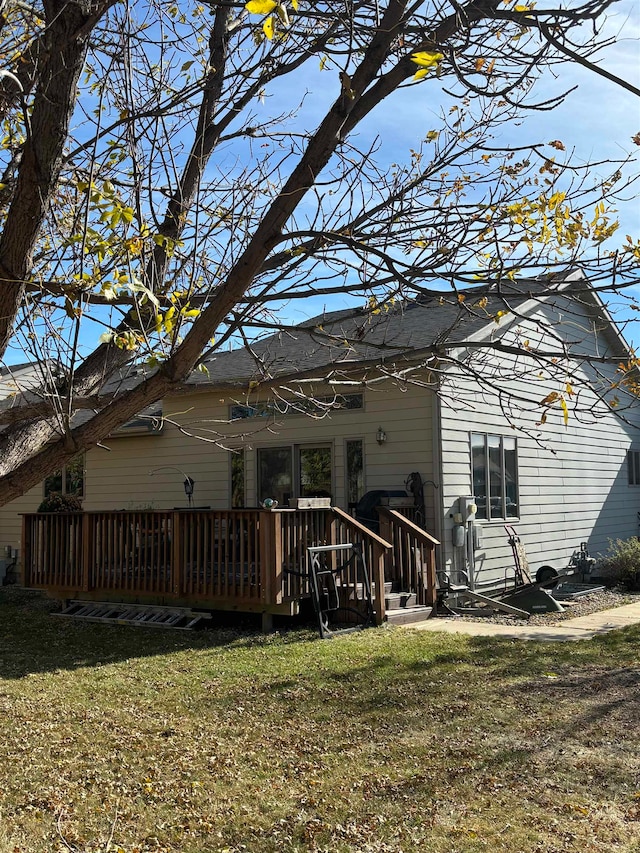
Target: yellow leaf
480 61
294 5
565 411
260 7
569 389
427 60
523 8
268 27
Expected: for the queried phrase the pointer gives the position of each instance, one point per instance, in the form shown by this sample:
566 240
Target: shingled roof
388 333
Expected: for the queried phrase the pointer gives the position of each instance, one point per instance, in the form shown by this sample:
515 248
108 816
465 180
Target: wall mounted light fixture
381 436
189 482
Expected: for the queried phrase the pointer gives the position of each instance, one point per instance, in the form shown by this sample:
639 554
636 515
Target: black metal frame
325 593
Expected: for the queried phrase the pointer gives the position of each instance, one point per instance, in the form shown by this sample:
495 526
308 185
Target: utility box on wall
468 509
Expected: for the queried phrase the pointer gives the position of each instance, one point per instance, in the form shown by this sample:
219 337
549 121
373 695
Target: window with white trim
494 463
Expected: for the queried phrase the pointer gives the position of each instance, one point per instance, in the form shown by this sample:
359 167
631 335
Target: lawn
126 739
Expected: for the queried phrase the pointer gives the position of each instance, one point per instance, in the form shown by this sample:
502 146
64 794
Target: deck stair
147 616
402 607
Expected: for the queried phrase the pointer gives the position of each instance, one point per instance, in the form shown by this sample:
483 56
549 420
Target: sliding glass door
293 472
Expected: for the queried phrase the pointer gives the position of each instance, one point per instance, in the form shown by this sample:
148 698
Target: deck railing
410 564
232 557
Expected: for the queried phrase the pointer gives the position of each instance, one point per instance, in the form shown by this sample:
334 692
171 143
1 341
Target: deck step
408 615
396 600
146 615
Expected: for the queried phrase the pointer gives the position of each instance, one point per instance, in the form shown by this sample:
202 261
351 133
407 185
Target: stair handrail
409 526
379 547
350 521
426 539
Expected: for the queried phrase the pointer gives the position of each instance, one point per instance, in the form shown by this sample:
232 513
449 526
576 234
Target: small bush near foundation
622 562
60 503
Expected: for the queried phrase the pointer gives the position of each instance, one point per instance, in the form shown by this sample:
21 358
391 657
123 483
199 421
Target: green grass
388 740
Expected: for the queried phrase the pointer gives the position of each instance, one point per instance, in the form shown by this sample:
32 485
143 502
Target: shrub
60 503
622 562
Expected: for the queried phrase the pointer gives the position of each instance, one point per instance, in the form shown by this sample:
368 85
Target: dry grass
125 739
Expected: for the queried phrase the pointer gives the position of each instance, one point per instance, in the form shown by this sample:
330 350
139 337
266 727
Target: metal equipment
547 577
344 589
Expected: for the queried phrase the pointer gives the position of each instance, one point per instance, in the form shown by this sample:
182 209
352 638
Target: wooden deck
244 559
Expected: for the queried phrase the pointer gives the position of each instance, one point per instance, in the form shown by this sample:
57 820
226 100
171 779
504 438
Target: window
318 406
354 470
69 480
288 472
237 478
633 467
314 472
495 475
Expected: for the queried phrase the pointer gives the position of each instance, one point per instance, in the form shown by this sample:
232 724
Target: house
512 408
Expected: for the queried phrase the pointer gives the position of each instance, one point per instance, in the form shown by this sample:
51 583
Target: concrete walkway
581 628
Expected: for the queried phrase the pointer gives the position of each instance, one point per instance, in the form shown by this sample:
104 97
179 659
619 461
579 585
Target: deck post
333 537
266 551
176 554
272 556
377 572
278 559
26 552
391 569
85 550
432 583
